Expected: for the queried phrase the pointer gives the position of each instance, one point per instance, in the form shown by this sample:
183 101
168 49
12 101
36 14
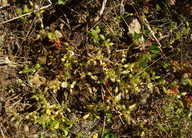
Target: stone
133 26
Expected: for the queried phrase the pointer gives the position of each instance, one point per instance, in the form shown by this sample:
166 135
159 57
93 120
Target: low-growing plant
50 116
130 93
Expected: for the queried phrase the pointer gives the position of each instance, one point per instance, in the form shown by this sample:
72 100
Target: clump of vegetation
86 76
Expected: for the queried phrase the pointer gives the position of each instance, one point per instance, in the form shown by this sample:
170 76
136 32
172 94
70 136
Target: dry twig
101 11
4 60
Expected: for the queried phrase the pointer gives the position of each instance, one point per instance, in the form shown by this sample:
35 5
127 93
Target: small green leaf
107 134
144 31
31 3
187 24
160 127
143 63
154 48
156 77
37 66
19 11
25 9
164 90
66 132
132 107
23 85
61 2
150 86
181 104
136 35
189 116
157 90
158 7
97 30
126 114
165 64
117 98
102 37
108 117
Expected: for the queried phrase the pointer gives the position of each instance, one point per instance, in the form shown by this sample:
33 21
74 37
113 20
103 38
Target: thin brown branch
111 30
